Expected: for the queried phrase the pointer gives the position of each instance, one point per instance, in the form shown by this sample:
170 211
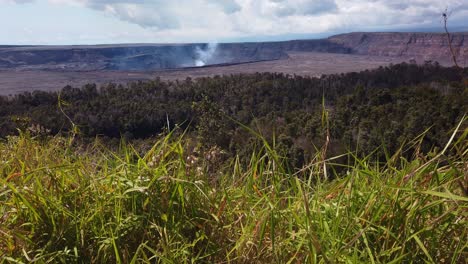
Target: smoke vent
204 56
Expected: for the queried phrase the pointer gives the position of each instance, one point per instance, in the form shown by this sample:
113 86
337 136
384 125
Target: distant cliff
427 46
132 57
420 46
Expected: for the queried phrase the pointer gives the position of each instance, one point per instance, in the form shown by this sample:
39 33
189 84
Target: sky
59 22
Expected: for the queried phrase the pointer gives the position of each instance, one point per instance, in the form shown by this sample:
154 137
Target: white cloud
283 8
228 6
15 1
218 19
396 13
273 16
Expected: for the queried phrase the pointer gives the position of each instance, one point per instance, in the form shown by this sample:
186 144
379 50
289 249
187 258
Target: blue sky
162 21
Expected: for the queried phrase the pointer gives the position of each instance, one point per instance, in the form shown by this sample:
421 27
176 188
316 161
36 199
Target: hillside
64 204
411 97
365 167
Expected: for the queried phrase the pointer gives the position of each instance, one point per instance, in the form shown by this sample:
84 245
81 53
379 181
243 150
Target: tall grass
64 204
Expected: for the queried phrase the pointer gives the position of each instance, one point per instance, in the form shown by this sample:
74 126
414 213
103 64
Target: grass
64 204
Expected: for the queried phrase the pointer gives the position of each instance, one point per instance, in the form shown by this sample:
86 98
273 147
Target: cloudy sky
156 21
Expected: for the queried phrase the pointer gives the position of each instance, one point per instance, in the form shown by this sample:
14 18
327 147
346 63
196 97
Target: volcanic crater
27 68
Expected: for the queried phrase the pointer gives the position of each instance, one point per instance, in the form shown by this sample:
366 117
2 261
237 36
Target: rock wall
421 46
132 57
427 46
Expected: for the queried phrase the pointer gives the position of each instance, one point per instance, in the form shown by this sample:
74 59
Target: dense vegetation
238 169
60 203
385 106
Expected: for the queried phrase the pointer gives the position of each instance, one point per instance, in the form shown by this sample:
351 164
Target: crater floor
300 63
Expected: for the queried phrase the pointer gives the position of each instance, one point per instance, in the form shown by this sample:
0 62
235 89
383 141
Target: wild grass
63 204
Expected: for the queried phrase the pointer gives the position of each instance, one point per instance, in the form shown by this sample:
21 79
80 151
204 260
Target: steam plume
203 56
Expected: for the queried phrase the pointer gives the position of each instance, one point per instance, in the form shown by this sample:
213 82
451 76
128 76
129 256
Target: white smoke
203 56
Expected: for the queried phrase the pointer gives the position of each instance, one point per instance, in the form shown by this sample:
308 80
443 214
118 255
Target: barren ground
299 63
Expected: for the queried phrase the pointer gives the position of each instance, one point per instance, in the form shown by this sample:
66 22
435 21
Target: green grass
64 204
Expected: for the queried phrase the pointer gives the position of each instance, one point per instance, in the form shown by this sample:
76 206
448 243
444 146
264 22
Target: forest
386 107
367 167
